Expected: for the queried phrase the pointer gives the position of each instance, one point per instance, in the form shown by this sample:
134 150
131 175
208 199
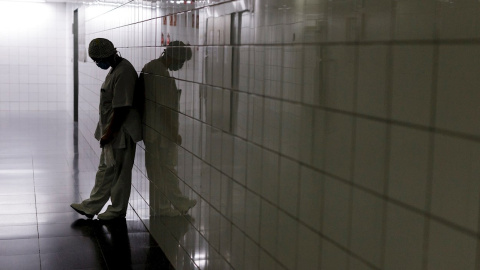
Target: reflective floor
41 173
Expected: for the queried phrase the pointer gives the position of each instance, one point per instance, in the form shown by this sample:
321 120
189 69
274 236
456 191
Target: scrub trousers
113 182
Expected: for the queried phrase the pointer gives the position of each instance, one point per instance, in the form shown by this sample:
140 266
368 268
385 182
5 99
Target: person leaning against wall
119 129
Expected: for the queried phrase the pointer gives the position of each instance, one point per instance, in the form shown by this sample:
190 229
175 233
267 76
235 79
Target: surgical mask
102 64
175 66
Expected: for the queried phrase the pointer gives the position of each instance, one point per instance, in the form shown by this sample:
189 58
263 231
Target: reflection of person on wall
161 146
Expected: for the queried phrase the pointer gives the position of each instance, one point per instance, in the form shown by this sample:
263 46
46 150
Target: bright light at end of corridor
18 17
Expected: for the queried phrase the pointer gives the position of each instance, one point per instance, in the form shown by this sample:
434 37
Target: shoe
183 208
108 216
81 210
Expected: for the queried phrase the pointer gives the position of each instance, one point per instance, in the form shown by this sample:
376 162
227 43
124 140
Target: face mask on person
102 64
176 65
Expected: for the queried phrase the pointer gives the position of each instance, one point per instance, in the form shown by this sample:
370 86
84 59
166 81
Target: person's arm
119 115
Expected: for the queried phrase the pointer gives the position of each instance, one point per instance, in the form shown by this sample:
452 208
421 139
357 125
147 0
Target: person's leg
169 180
101 190
172 190
162 203
122 182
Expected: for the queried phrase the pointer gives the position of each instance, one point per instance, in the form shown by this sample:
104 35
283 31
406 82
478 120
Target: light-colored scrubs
115 182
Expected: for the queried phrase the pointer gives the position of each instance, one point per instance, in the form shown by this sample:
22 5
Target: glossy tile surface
313 134
38 229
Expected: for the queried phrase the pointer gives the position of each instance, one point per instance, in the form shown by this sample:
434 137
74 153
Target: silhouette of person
119 129
161 146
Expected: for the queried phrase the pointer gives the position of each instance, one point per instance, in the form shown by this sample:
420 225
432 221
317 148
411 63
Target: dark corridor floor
41 173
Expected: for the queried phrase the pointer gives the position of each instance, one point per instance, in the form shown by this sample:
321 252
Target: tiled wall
315 134
33 56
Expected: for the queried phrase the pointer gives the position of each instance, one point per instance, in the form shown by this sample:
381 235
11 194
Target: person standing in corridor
118 130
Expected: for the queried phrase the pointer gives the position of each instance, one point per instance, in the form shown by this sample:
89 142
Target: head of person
176 54
102 52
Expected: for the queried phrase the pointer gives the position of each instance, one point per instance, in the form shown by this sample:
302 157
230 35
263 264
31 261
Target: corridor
303 134
42 170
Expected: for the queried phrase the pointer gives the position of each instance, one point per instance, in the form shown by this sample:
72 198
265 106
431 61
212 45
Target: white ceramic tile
215 188
319 139
457 84
339 72
292 71
240 160
241 114
252 217
408 171
227 154
269 223
338 144
255 119
344 26
312 64
287 240
225 238
273 72
259 69
272 117
267 261
372 81
270 176
254 168
252 255
455 185
216 147
376 20
308 252
238 248
356 264
367 225
404 239
458 20
370 154
290 131
311 197
336 214
412 83
306 129
289 182
238 206
415 20
333 258
450 249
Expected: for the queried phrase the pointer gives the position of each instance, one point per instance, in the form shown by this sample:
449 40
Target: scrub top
118 91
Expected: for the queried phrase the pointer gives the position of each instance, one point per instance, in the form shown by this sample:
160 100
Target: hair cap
101 48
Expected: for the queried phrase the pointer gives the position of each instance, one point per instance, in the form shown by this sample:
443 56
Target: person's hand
107 138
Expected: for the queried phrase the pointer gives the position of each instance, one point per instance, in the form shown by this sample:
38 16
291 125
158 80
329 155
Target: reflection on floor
41 173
